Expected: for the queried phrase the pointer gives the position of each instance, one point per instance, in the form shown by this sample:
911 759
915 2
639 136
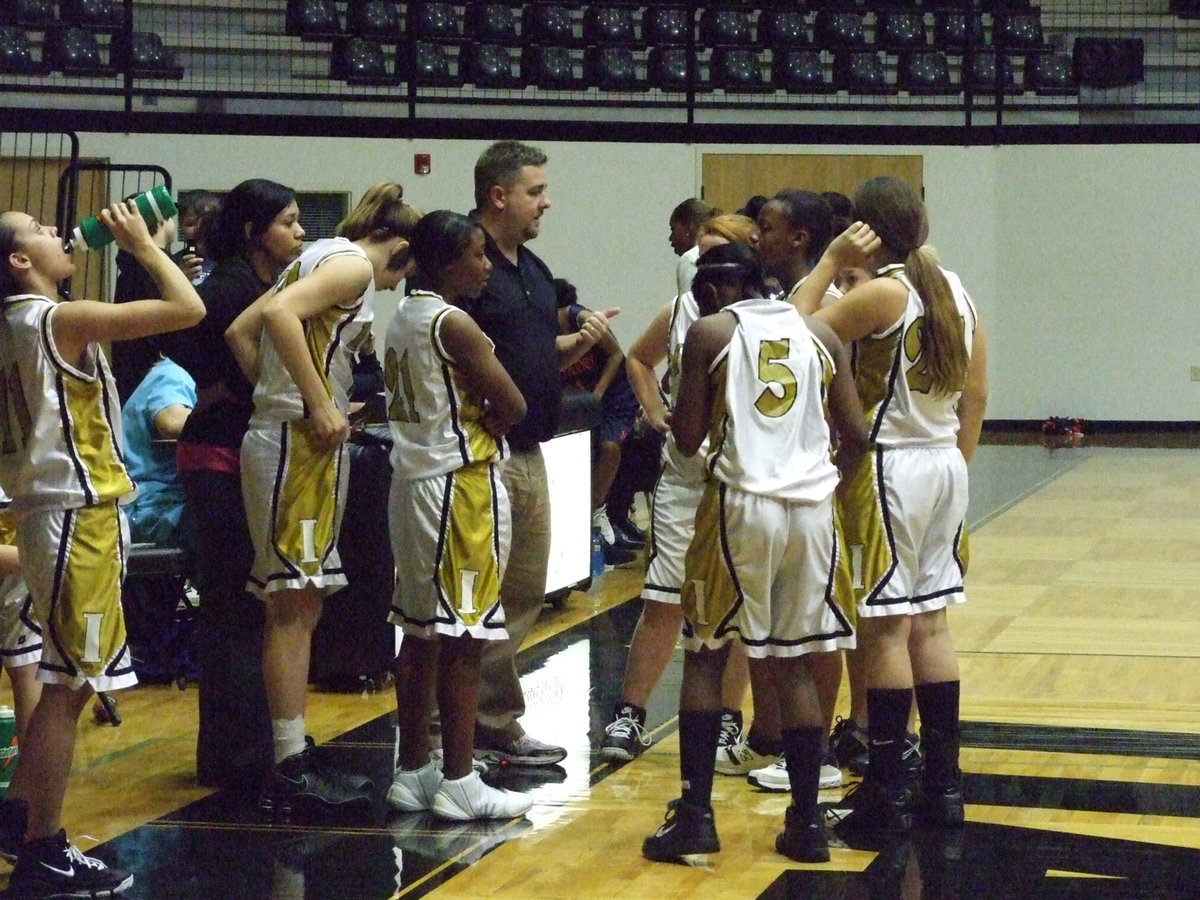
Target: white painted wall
1079 257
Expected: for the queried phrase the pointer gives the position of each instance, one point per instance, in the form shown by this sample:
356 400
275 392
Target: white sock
288 735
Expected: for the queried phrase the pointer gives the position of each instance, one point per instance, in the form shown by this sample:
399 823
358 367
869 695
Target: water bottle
155 206
597 554
8 747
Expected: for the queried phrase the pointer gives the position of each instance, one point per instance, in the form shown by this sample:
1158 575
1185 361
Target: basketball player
673 514
449 404
921 371
60 462
765 559
297 344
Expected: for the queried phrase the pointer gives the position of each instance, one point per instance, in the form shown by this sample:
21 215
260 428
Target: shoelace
75 855
628 729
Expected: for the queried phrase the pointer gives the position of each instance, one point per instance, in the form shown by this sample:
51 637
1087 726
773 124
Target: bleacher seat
490 22
548 23
982 74
952 33
99 15
360 60
378 20
549 68
30 13
860 72
1017 30
737 69
781 29
16 53
313 19
837 29
726 26
925 72
664 26
609 24
432 65
898 32
799 71
488 65
667 69
433 21
146 55
611 69
76 52
1049 74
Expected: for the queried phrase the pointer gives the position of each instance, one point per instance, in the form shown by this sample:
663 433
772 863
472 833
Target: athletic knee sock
288 735
698 733
803 749
938 706
887 714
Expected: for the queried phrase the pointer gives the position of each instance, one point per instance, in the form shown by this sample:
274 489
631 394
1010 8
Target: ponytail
943 339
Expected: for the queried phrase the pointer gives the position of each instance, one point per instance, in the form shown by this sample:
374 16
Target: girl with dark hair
256 233
921 371
795 229
297 343
61 463
450 401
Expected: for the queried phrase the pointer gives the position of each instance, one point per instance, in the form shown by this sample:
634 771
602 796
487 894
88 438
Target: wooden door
730 179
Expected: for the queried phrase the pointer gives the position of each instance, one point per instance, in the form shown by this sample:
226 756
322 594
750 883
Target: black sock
803 749
938 705
887 714
762 746
623 709
698 733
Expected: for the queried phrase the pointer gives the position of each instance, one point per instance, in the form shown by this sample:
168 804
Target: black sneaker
941 805
53 867
872 808
687 830
298 786
912 759
13 821
629 536
624 738
802 839
615 555
851 746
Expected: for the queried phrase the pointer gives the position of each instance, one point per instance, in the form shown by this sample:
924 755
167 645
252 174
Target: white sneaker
774 777
439 759
463 799
740 759
413 790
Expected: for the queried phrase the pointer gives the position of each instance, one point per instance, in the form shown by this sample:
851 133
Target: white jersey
333 336
890 377
769 434
60 423
831 295
434 418
684 312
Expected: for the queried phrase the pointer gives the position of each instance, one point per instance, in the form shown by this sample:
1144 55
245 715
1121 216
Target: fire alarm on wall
422 164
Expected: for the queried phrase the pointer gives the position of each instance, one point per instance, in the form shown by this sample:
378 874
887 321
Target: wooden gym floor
1080 654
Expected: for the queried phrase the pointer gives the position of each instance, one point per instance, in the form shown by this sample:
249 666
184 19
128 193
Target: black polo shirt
518 311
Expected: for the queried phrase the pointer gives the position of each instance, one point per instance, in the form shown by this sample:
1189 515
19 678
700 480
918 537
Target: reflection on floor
1051 807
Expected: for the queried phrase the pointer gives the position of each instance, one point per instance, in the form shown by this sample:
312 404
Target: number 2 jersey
434 418
769 435
891 381
60 422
